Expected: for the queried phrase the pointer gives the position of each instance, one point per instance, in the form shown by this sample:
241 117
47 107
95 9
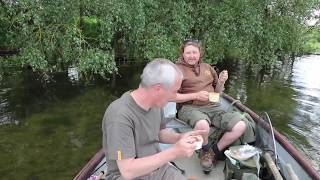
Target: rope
231 104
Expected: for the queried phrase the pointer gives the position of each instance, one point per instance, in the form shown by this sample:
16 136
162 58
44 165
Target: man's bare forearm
219 87
184 147
185 97
145 165
168 137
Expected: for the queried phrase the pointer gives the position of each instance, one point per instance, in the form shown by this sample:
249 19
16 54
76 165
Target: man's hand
223 76
194 133
202 96
186 145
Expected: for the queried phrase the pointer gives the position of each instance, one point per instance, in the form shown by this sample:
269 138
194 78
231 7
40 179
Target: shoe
218 155
207 160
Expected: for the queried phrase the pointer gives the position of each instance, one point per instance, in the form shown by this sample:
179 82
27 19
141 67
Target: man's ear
157 87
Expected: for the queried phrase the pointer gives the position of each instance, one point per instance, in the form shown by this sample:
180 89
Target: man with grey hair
133 126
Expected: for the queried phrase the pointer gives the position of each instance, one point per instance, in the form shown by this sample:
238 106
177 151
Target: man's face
167 94
191 54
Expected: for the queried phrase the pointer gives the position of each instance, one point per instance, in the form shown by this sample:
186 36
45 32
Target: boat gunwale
86 171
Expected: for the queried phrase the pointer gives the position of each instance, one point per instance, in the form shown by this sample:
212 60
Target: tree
92 35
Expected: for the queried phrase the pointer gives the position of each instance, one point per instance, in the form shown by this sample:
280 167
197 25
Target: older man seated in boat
197 104
133 126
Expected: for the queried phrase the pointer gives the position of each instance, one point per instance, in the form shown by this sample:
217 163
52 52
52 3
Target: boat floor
191 166
193 169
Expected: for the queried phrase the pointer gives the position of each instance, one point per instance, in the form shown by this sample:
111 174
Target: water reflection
306 118
5 112
73 74
4 117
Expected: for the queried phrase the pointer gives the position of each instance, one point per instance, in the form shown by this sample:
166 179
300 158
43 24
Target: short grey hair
160 71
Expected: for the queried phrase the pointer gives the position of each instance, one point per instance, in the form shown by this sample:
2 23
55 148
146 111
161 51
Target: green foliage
94 59
4 23
94 33
33 57
51 39
312 41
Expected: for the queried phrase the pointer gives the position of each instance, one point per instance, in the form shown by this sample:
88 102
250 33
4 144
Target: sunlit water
306 118
50 130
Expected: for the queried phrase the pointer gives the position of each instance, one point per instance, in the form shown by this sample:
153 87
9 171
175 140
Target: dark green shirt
129 131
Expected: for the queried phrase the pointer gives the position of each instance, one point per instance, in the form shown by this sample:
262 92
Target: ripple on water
306 119
5 114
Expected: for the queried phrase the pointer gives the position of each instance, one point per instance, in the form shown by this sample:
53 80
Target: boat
285 163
